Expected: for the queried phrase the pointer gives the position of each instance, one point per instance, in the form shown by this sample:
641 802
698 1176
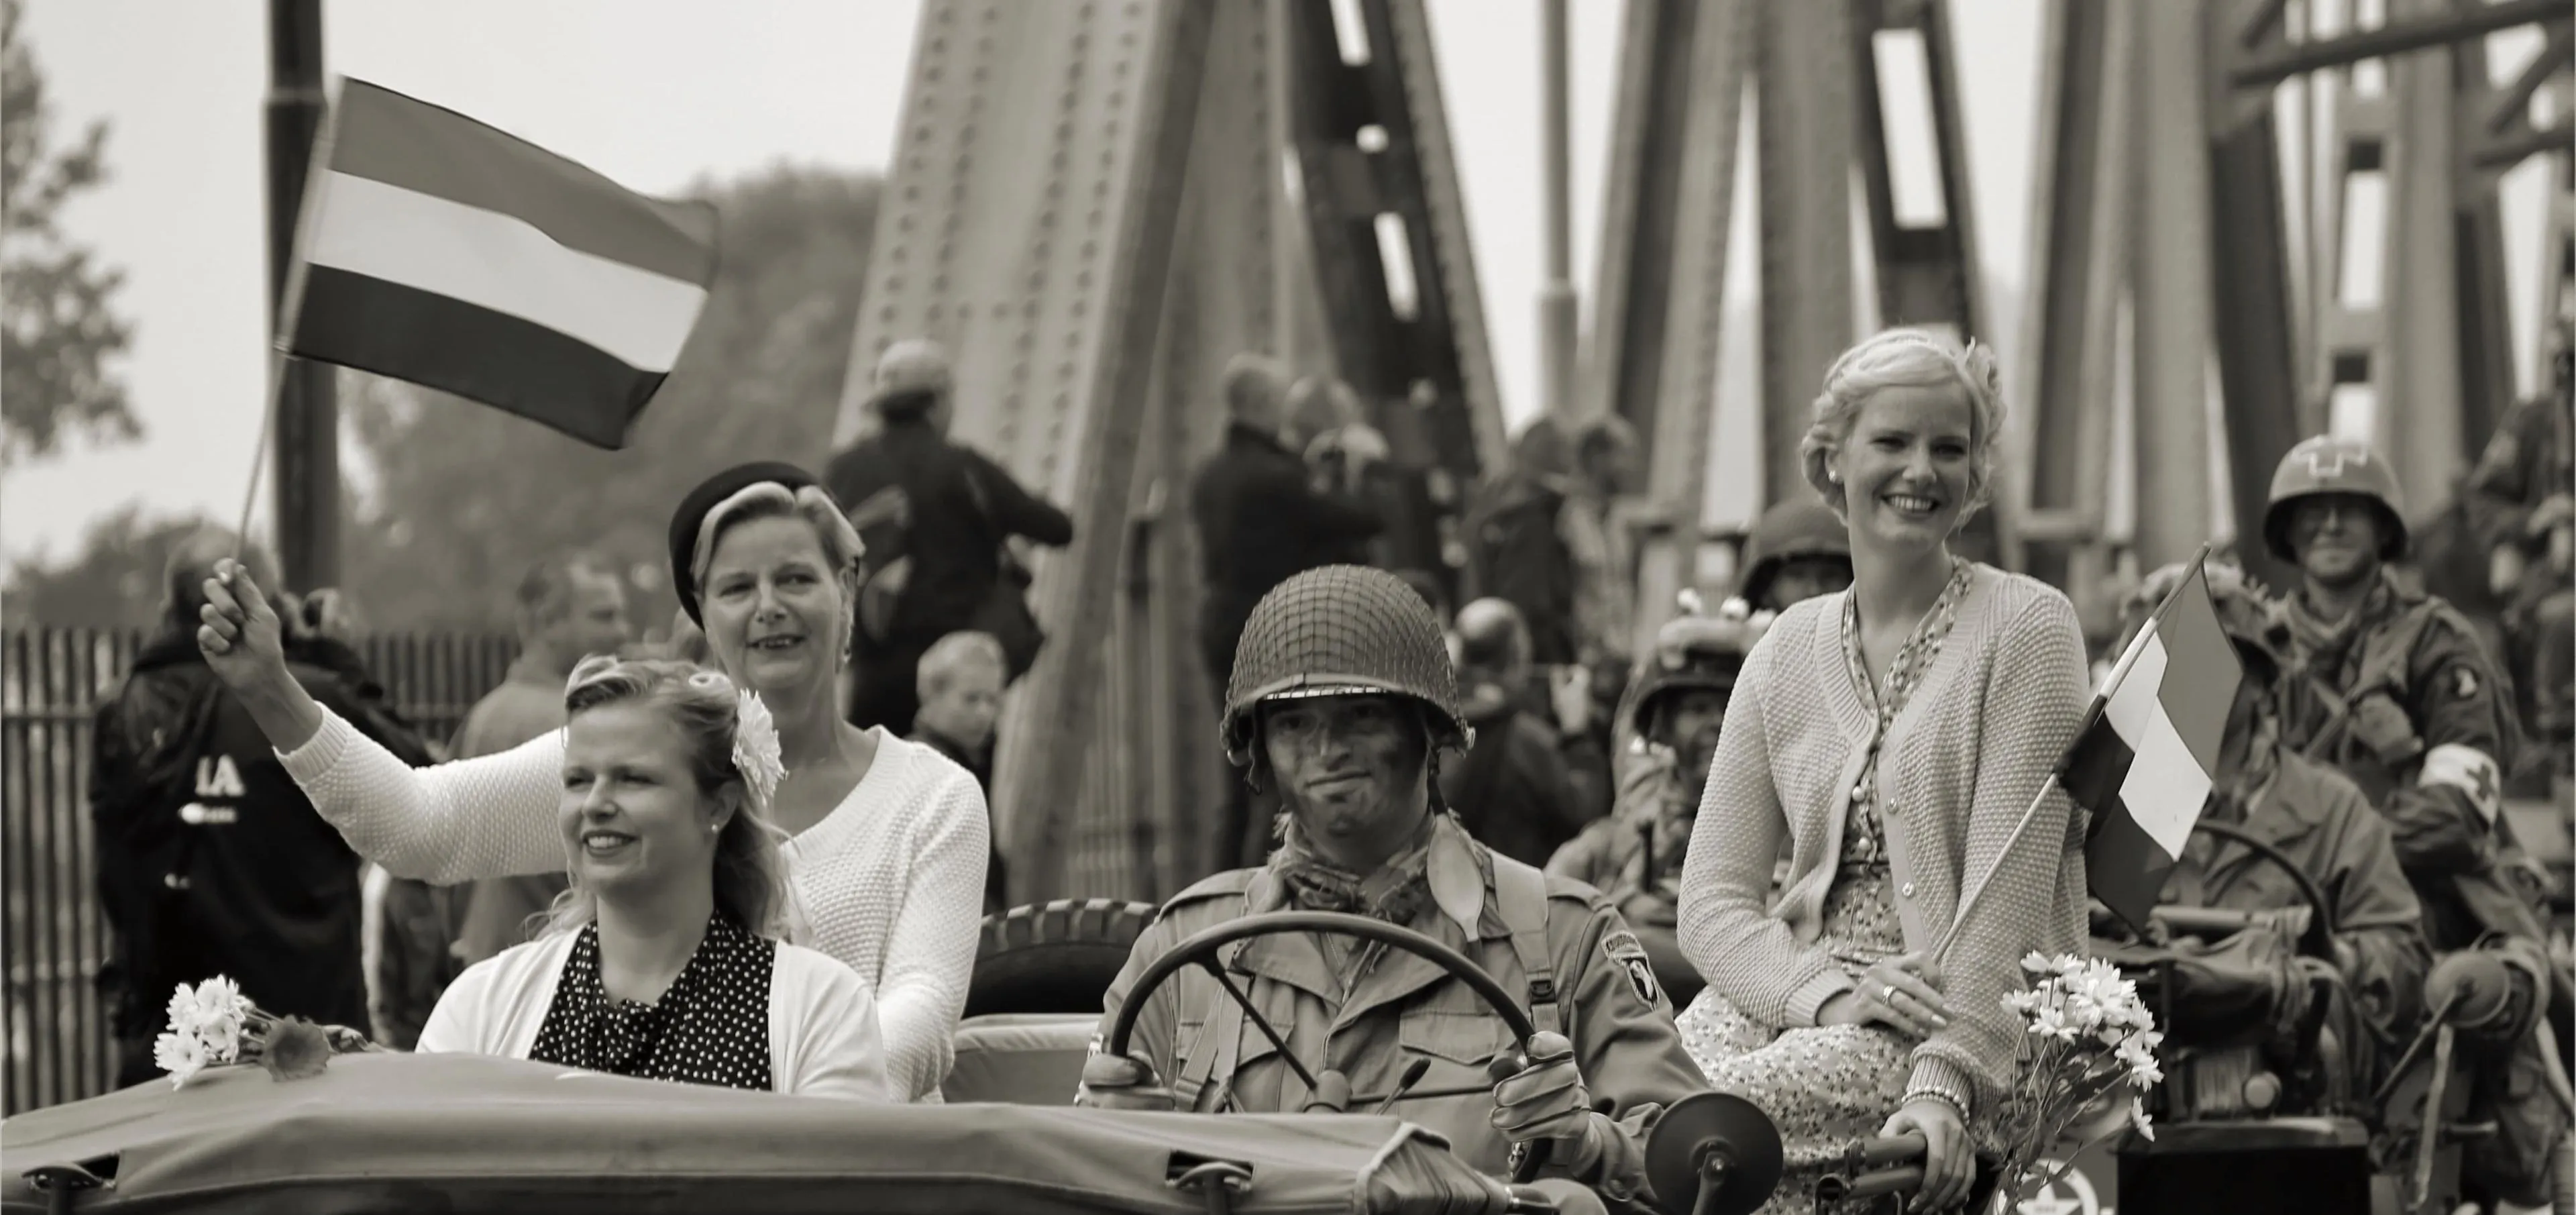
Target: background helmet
1800 527
2328 465
1342 630
1691 653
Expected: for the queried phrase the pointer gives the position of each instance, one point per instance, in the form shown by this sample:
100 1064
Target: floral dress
1828 1086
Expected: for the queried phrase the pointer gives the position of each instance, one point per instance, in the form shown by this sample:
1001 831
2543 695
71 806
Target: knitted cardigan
1976 742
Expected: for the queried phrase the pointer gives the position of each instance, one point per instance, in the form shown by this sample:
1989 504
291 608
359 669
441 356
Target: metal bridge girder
1088 208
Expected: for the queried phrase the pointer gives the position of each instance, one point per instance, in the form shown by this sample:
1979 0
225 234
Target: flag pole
2128 658
290 309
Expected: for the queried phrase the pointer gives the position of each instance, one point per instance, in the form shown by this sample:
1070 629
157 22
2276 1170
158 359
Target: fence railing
53 938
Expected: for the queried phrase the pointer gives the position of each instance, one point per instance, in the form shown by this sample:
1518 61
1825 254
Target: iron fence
53 938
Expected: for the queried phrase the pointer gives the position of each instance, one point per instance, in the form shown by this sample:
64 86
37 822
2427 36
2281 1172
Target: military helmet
1799 527
1691 653
2328 465
1342 630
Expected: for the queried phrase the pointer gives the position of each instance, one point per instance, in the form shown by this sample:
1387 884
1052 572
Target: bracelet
1956 1106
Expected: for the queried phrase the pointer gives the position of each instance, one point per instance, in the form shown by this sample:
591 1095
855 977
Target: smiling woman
662 962
885 860
1892 736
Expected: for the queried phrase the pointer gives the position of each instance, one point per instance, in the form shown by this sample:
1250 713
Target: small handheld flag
2147 756
438 250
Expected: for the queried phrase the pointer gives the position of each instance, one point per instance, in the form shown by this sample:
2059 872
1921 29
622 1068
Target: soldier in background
2392 688
1668 729
1799 549
1514 790
2320 821
2522 511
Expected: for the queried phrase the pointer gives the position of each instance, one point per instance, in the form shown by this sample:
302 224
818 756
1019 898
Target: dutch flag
2148 753
435 249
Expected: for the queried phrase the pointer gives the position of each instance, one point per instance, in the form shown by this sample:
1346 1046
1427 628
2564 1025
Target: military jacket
1372 1021
2416 715
2320 821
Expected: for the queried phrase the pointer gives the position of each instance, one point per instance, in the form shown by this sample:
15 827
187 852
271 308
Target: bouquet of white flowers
213 1024
2088 1033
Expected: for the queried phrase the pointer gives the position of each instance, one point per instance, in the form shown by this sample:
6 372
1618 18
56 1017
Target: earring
1833 478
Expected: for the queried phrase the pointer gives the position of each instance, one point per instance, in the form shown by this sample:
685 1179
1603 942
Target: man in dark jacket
1514 790
1260 522
210 859
1517 550
935 516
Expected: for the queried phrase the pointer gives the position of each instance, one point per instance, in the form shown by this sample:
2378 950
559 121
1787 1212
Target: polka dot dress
711 1027
1827 1087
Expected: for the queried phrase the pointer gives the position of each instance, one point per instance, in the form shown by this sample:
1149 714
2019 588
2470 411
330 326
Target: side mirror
1713 1154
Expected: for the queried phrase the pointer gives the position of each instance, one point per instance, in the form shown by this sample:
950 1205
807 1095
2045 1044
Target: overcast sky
658 93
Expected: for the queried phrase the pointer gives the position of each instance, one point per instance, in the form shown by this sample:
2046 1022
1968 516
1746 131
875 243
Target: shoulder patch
2464 682
1629 955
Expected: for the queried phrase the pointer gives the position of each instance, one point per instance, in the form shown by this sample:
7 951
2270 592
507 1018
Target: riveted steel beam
1805 126
1093 207
2248 259
1927 269
1927 266
1388 237
1659 307
2172 286
2083 185
2418 27
1038 251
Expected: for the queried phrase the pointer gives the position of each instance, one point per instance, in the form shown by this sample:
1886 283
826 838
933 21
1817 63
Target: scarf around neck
1396 893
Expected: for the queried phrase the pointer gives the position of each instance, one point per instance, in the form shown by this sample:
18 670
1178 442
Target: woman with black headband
885 860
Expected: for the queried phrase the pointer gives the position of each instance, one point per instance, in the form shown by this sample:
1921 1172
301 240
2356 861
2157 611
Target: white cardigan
890 883
823 1038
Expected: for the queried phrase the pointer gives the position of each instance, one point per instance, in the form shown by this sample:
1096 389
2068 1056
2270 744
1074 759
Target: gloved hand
1543 1098
1113 1083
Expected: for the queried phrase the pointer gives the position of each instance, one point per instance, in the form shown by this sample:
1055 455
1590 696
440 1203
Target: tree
112 581
465 497
58 328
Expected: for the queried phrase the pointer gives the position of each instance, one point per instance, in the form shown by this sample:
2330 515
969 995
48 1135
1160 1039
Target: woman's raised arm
479 818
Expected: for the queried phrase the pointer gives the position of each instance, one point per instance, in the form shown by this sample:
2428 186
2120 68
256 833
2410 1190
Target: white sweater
823 1037
890 883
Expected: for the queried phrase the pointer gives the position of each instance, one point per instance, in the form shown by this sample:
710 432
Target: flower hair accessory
755 749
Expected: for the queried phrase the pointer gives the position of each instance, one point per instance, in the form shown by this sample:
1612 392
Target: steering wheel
2316 942
1203 949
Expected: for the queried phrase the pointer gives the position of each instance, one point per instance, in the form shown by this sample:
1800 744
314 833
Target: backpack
1004 614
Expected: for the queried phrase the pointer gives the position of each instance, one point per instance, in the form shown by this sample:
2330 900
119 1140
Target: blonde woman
1892 735
663 960
887 838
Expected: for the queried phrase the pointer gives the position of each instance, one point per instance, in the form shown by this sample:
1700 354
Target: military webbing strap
2384 655
1207 1074
1520 893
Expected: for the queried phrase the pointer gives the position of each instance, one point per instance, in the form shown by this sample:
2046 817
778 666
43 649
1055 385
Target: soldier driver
1343 698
